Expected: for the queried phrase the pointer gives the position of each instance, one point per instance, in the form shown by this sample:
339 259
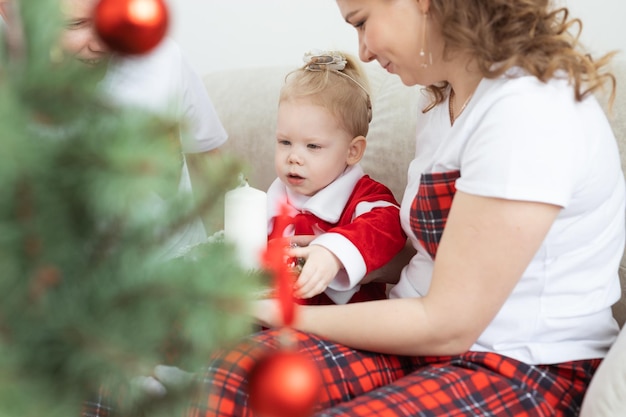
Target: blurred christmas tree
85 296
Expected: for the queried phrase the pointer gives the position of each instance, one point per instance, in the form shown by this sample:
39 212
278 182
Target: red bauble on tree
131 26
284 383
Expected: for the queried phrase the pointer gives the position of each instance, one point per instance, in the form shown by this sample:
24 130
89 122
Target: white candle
245 223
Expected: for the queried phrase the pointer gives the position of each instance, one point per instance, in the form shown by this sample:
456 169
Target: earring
426 58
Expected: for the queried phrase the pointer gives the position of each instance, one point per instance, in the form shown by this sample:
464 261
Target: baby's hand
319 269
301 240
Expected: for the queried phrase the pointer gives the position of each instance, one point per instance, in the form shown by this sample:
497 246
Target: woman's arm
486 246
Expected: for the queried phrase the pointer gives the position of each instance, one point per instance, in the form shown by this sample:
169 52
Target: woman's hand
320 268
267 312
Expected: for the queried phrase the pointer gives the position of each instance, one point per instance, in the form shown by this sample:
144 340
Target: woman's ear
356 150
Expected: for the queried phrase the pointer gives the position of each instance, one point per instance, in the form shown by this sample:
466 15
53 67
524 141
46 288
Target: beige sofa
246 101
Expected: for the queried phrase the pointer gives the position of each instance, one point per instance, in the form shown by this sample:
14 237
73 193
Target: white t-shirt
162 81
522 139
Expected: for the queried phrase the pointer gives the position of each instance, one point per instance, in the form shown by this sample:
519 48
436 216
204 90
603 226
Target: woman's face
390 32
78 37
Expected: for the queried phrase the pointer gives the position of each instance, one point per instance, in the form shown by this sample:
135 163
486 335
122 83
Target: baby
349 222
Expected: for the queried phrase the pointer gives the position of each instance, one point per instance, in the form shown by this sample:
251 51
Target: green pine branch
86 297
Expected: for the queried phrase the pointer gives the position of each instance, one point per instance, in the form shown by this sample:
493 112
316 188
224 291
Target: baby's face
78 36
312 148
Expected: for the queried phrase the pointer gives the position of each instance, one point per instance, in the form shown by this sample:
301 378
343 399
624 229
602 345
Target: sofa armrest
606 396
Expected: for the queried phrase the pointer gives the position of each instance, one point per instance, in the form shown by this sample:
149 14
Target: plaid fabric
360 384
430 208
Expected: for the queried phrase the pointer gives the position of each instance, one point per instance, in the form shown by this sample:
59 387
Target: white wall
223 34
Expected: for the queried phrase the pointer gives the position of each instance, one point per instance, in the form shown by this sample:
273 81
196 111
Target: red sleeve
377 234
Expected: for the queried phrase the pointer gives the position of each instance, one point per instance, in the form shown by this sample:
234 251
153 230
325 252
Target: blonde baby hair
335 81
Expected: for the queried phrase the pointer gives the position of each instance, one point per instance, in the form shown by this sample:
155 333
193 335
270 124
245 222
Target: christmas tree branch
208 200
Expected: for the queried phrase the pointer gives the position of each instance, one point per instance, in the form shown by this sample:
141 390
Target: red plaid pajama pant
359 383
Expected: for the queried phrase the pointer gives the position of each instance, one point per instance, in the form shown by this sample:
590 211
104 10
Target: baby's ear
356 150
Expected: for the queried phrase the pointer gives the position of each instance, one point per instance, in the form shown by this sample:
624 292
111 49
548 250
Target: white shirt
163 81
328 204
521 139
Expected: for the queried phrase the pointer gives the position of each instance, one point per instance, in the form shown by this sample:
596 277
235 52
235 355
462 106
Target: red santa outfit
354 217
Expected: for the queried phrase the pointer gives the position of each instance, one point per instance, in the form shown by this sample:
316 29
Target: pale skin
487 242
78 38
312 150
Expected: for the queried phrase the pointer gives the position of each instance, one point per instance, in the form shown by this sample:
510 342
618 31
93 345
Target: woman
515 206
350 220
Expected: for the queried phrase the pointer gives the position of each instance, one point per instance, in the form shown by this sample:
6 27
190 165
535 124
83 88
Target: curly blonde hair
346 98
529 34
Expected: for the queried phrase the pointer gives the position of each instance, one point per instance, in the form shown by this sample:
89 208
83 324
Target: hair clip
334 62
321 60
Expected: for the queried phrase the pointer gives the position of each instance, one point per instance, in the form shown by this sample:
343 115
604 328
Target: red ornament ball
131 26
284 384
